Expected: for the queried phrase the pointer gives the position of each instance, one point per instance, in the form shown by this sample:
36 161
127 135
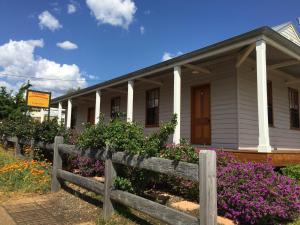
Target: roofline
211 50
284 25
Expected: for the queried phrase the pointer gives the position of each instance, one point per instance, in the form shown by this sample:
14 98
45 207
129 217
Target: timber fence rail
19 142
204 172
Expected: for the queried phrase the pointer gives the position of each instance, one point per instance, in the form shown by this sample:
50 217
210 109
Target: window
270 103
73 117
115 107
152 107
294 108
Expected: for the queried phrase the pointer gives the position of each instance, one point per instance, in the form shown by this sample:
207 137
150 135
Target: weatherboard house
240 94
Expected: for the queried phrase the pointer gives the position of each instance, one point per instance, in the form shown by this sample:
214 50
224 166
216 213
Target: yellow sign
38 99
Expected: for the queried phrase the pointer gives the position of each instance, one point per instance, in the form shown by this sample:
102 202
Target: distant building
42 114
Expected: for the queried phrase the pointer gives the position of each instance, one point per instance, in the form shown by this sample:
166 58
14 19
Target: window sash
152 107
294 108
270 103
115 107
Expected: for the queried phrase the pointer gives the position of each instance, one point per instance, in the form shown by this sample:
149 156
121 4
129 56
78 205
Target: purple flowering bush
248 193
253 193
87 167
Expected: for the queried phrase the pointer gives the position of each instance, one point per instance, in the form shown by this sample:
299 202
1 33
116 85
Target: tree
13 106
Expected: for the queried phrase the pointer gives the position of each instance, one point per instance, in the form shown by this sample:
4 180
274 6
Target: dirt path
70 206
49 209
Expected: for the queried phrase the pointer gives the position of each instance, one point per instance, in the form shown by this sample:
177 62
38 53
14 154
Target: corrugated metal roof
267 31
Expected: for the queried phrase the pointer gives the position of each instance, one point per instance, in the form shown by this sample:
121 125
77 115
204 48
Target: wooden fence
204 173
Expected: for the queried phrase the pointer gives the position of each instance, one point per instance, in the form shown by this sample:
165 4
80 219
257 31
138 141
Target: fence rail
204 172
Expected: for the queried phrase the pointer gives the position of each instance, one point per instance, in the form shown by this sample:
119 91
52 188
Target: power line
40 78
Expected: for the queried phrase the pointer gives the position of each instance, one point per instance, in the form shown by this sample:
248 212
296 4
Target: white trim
177 102
97 106
284 64
69 113
59 113
282 48
262 100
130 100
42 115
244 55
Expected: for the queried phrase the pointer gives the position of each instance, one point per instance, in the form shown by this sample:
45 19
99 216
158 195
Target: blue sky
108 35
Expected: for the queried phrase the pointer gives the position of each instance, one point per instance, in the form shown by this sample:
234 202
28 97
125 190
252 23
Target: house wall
224 120
281 136
82 114
224 129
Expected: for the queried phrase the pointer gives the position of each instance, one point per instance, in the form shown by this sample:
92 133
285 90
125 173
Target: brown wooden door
200 118
91 115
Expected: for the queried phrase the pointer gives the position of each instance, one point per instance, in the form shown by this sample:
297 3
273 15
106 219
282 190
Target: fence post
5 142
110 174
57 164
17 146
208 187
31 155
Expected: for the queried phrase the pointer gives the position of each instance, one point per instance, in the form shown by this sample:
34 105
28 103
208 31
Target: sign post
39 99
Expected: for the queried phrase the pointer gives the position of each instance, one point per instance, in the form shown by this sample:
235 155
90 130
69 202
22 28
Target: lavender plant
253 193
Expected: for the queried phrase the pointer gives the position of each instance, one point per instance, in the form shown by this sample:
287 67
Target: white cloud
19 64
8 86
47 20
71 8
167 55
67 45
142 29
113 12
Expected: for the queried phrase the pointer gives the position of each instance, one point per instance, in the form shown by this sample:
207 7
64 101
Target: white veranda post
97 106
59 113
42 115
130 101
177 102
69 111
262 99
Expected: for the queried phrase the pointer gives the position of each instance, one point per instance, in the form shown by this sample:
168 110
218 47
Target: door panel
200 115
91 115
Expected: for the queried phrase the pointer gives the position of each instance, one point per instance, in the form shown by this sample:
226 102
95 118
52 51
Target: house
241 94
42 114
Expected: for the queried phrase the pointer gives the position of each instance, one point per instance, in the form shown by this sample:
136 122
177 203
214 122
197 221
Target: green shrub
181 152
124 136
93 136
47 130
120 135
292 172
123 184
25 127
21 127
157 141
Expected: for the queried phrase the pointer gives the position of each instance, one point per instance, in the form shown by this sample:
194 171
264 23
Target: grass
6 157
127 216
18 175
297 222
